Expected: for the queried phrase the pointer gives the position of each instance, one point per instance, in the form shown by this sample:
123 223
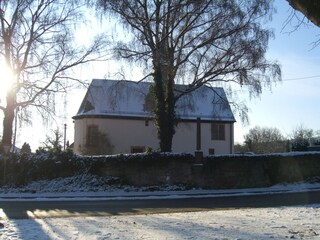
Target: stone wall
214 172
233 171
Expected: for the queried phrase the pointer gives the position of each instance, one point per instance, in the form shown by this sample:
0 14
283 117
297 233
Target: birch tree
38 48
197 43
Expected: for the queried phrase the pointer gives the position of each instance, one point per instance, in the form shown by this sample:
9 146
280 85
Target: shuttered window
218 132
92 136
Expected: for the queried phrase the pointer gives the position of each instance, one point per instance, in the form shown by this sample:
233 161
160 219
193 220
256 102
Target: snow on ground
300 222
82 184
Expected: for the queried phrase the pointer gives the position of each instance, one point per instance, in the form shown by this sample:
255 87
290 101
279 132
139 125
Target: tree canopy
195 43
265 140
300 138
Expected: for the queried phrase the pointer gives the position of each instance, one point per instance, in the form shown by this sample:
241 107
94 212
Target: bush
49 164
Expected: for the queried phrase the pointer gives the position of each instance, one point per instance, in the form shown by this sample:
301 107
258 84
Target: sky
294 101
287 105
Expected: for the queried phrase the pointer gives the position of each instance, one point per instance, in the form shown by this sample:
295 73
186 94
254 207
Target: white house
116 117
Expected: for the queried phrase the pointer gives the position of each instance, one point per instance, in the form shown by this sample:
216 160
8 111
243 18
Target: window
92 136
211 151
137 149
218 131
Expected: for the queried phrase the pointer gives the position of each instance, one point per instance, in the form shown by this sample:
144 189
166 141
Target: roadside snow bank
93 187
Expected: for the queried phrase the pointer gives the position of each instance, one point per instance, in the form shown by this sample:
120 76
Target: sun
6 79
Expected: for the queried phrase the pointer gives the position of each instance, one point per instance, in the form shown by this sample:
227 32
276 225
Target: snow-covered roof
132 99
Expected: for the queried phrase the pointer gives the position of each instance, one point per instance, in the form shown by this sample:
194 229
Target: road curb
146 195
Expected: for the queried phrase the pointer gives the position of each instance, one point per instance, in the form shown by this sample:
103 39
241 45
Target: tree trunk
8 120
164 112
170 108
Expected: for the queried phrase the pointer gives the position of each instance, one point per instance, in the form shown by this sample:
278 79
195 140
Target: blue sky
289 104
295 100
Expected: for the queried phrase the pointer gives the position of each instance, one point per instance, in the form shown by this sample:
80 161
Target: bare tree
37 45
300 138
196 43
265 140
54 143
309 8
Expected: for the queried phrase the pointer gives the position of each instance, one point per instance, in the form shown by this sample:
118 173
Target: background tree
195 43
309 8
25 148
241 148
53 143
300 138
37 46
101 146
265 140
316 138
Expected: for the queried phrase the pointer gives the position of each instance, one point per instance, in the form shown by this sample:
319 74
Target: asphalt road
42 209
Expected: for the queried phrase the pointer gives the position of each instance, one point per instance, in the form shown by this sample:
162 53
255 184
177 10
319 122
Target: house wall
127 133
188 130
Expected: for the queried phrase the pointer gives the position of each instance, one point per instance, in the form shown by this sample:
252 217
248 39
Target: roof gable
132 99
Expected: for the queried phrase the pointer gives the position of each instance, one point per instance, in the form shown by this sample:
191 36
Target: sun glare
2 214
6 79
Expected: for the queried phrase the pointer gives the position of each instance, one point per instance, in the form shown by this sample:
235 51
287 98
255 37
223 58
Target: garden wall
229 171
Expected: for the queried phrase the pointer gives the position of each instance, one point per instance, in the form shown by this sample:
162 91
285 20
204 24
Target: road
42 209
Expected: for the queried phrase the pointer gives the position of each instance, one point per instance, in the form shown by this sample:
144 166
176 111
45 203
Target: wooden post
198 152
198 134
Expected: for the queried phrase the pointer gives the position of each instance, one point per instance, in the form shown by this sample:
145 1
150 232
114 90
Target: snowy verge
127 192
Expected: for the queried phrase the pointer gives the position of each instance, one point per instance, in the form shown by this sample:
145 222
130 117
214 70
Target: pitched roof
131 99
